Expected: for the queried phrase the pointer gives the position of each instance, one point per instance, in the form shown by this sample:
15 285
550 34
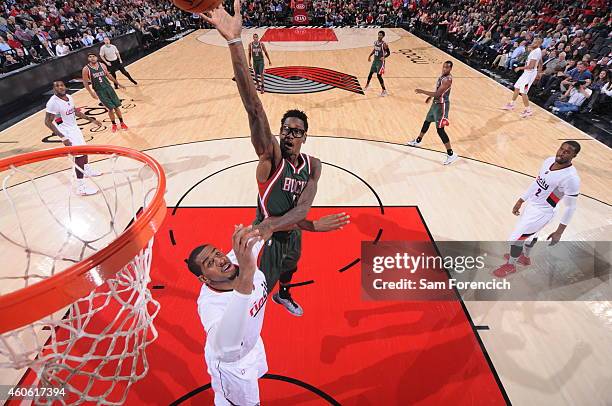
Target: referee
111 56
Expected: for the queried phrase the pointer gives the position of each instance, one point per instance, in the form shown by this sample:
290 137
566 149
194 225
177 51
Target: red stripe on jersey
264 192
554 198
264 185
525 236
309 166
303 163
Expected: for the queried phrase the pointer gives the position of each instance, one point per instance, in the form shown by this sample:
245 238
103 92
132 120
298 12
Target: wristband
234 41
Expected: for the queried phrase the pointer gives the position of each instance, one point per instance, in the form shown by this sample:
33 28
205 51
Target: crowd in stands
258 13
32 31
576 74
360 13
576 34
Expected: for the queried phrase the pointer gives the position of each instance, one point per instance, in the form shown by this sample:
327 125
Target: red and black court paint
307 79
343 351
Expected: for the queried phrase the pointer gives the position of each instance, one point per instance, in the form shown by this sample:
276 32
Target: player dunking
60 118
380 52
530 72
231 306
438 112
98 75
256 53
557 180
287 179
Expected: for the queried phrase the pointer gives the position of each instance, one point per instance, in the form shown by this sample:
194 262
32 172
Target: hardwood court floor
186 112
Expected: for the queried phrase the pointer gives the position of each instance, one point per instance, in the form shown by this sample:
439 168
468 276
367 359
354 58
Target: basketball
197 6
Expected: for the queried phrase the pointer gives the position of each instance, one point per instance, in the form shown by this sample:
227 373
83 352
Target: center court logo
306 79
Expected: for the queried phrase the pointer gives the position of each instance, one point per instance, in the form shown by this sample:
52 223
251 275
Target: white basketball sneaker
450 159
289 304
91 172
384 93
414 143
82 189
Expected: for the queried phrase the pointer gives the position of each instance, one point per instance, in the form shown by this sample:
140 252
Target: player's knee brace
443 135
425 126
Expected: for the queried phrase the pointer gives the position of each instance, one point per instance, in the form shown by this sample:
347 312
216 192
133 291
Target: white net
93 349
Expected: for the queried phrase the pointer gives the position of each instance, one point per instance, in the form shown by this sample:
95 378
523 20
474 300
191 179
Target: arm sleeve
227 336
530 191
571 191
570 208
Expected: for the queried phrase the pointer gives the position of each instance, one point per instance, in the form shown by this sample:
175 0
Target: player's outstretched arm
265 144
84 116
324 224
446 84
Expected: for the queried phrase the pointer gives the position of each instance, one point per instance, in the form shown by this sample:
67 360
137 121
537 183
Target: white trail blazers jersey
551 185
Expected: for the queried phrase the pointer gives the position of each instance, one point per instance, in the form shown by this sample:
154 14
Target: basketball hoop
75 306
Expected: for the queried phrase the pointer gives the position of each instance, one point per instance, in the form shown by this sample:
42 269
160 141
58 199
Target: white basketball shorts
523 84
532 220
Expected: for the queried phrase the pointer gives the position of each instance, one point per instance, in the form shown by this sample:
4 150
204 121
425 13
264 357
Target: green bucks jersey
257 51
98 78
379 50
281 191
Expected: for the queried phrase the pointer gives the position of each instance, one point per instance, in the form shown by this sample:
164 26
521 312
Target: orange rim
32 303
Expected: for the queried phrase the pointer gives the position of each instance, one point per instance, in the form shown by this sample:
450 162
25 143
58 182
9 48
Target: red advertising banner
300 14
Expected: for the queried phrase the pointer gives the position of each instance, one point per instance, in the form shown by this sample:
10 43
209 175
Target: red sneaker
123 126
523 260
504 270
114 128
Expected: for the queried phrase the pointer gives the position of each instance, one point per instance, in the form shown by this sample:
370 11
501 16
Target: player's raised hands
243 240
331 222
228 26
